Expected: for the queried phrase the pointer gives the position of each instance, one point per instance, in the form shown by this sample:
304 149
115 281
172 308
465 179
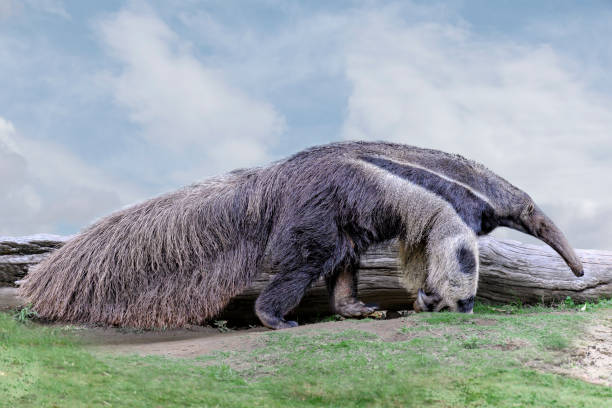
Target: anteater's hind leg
342 288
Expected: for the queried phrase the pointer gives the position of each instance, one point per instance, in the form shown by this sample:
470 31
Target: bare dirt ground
9 299
205 340
592 361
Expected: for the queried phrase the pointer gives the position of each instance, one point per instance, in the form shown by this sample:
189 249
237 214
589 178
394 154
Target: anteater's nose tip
578 269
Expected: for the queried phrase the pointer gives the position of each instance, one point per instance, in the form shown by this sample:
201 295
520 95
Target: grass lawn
496 357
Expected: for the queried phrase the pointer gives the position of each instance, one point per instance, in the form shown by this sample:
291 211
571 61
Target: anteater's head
434 303
452 276
456 298
521 214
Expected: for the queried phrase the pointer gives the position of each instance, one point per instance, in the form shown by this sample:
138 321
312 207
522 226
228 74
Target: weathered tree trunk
509 272
18 254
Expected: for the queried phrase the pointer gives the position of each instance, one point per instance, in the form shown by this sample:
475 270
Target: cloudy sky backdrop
103 104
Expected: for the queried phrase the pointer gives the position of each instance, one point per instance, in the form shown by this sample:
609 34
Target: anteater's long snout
540 226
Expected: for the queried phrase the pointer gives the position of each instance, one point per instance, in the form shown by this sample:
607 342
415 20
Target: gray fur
178 259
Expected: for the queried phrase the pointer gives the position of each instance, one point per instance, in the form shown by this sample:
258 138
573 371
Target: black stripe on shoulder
475 212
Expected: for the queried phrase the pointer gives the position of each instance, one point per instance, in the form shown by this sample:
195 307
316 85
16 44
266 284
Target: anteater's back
170 261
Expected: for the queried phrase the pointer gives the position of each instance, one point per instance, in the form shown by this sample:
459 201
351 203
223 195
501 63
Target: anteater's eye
466 305
530 209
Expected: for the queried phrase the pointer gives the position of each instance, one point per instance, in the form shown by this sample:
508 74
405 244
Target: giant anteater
179 258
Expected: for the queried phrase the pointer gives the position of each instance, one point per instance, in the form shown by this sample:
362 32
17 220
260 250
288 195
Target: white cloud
44 188
179 103
517 108
265 59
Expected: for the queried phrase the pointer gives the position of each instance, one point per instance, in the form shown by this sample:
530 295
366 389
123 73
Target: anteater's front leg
342 287
282 295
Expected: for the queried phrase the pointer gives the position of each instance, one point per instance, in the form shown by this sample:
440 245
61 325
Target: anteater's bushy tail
170 261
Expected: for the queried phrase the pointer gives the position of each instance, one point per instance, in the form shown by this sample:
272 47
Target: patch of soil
592 361
190 342
484 322
198 341
9 300
205 340
510 345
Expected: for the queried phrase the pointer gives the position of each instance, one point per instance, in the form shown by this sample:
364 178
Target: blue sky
104 104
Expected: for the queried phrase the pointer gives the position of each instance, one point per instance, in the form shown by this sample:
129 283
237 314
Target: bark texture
510 271
17 254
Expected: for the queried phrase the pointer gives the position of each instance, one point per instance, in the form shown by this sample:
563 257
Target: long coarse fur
179 258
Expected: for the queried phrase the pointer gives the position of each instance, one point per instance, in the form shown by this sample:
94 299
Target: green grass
442 360
567 305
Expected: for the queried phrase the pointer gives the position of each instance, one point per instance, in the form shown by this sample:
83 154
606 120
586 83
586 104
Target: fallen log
510 271
17 254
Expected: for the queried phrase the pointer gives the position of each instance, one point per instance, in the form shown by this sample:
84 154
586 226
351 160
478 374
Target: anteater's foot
277 324
354 308
274 322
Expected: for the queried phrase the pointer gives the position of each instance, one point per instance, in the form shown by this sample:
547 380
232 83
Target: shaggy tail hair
173 260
